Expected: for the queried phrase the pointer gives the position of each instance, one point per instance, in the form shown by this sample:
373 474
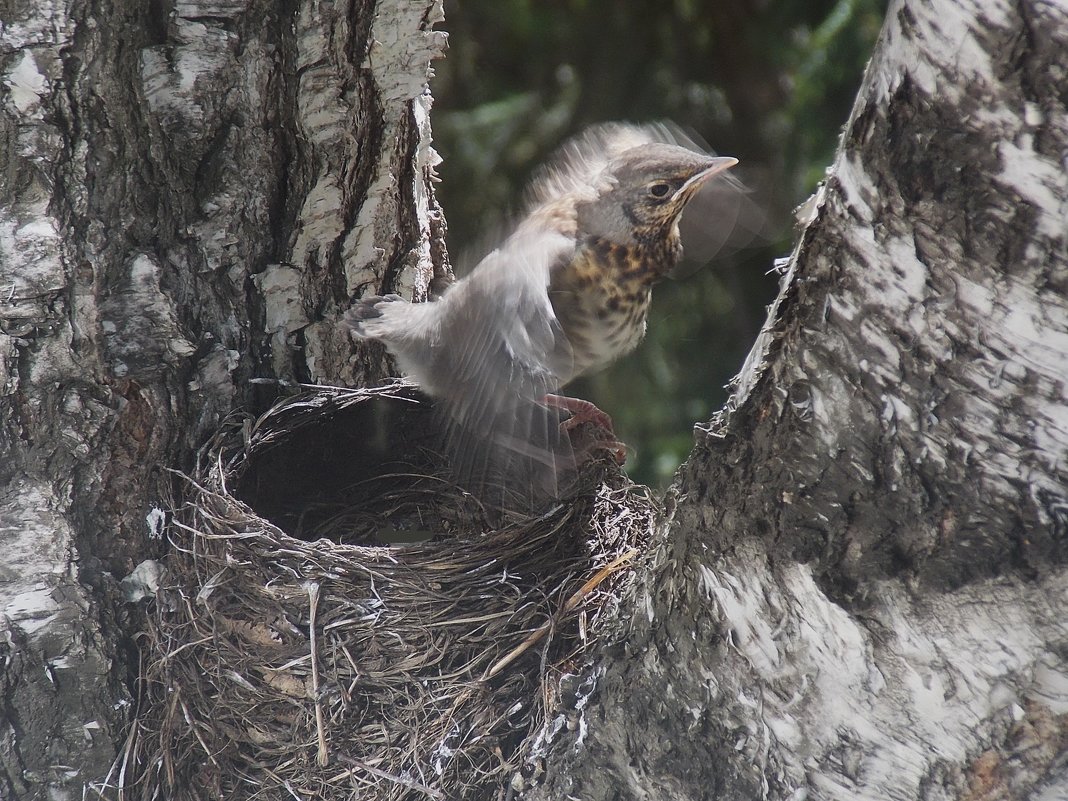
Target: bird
565 294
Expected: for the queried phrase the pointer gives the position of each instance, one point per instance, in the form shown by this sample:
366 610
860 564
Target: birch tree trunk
860 589
190 193
861 592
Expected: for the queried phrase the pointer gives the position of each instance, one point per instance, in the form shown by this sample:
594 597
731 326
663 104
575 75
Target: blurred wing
720 220
505 351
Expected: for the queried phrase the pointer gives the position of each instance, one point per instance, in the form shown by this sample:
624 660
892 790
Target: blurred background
768 81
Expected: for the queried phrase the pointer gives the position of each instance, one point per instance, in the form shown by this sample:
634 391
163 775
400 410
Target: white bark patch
213 389
35 540
362 247
1051 685
31 271
138 318
26 85
9 379
749 631
280 286
952 38
324 118
210 8
426 159
857 710
400 52
30 264
399 58
214 372
1022 339
357 215
170 74
322 223
47 25
1039 181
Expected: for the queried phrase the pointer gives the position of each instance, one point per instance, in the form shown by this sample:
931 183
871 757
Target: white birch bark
190 193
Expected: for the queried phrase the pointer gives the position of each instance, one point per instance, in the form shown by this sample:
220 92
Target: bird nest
338 621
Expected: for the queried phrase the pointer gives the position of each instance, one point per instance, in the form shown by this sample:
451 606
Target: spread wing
488 352
502 350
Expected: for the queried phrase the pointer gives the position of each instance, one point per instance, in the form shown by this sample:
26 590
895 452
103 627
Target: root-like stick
572 602
401 780
313 599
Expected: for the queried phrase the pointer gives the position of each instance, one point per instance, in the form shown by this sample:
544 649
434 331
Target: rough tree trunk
862 590
190 192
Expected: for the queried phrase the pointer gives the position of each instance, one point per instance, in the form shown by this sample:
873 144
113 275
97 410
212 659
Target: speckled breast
602 298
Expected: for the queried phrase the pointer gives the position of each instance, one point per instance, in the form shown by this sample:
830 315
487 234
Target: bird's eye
659 190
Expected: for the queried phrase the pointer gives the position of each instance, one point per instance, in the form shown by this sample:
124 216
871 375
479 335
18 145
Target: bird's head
642 192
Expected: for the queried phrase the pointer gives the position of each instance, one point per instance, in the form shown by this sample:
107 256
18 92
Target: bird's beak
712 168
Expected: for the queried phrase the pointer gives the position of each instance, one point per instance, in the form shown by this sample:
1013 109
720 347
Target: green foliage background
768 81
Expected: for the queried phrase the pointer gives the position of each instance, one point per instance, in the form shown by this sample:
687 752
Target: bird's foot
583 411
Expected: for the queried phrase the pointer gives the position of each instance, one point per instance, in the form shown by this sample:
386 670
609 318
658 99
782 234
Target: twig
313 599
401 780
572 602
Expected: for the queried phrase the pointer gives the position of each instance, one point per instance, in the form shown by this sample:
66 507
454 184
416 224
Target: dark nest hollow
339 622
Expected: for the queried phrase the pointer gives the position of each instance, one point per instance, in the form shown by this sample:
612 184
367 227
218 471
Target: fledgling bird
567 293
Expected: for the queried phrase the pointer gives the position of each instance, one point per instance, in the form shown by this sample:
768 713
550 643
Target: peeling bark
861 590
191 192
